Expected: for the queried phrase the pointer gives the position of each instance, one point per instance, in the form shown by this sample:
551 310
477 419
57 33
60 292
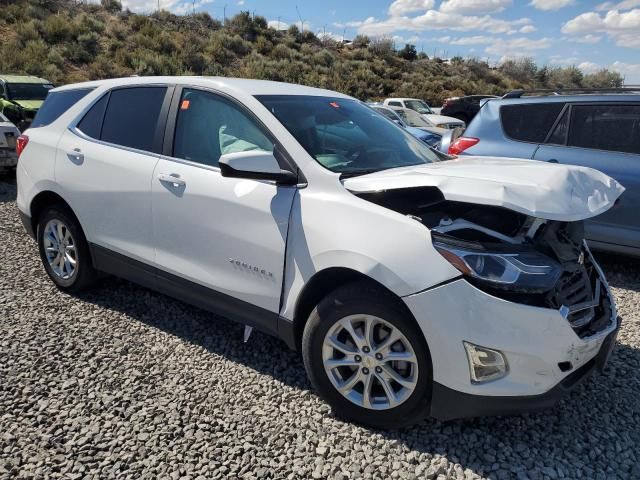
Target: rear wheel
64 250
366 356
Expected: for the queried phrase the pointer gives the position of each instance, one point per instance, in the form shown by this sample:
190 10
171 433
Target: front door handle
552 160
172 178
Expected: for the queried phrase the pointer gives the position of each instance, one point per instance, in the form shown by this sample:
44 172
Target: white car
420 106
8 135
413 285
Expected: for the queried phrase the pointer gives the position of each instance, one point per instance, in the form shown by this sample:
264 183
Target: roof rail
563 91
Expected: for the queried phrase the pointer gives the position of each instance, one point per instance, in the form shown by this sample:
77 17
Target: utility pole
301 21
224 15
278 22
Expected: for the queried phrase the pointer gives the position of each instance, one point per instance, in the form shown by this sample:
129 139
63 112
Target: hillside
65 41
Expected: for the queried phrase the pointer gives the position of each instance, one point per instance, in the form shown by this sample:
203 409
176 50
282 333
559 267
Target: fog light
485 364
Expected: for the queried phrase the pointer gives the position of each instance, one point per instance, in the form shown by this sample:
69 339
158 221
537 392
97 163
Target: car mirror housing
255 165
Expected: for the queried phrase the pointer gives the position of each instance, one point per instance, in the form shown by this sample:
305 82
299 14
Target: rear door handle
552 160
76 155
172 178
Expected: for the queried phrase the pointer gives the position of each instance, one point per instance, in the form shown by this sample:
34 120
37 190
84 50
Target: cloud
474 6
622 27
589 67
436 20
624 5
275 24
551 4
473 40
145 6
588 38
186 7
402 7
517 47
630 71
528 29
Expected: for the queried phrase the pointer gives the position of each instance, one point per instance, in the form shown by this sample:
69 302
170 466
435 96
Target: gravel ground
122 382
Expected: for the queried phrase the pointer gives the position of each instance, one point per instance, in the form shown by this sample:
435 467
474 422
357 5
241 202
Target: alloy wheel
60 249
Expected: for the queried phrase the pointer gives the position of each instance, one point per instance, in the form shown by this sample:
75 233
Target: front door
225 234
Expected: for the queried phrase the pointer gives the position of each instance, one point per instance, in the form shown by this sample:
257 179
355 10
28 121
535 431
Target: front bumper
538 344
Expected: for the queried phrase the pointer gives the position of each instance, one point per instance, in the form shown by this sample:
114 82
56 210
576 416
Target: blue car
597 130
430 138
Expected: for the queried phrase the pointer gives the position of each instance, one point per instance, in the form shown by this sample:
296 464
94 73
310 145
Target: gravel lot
122 382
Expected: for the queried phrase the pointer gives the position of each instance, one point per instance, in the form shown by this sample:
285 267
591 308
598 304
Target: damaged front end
511 255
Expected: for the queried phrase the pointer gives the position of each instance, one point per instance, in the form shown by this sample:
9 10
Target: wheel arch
321 284
45 199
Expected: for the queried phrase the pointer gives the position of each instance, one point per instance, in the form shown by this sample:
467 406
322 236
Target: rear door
227 235
105 163
605 137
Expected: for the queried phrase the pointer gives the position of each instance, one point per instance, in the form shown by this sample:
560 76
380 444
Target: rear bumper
449 404
8 157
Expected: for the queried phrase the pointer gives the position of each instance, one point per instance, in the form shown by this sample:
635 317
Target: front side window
346 136
419 106
132 115
209 126
390 114
56 104
615 128
28 91
529 122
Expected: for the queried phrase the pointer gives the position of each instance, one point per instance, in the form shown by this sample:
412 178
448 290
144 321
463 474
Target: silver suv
600 131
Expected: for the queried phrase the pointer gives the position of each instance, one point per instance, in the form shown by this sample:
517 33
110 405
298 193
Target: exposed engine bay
511 255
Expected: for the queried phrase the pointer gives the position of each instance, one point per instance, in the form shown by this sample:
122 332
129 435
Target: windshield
413 118
418 105
346 136
28 91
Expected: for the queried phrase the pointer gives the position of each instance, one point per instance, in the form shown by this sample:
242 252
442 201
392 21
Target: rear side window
614 128
395 104
529 122
91 123
132 115
56 104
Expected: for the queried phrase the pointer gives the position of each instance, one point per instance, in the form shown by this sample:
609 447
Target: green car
21 96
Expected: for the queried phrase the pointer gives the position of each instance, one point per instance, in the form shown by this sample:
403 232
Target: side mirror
256 165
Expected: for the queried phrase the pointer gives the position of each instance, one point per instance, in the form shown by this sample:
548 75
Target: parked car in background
463 108
415 120
423 109
430 138
21 96
411 284
598 130
8 135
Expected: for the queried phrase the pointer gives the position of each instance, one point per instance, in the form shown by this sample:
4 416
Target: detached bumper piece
449 404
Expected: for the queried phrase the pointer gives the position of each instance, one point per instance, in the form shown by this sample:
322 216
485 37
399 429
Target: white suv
412 283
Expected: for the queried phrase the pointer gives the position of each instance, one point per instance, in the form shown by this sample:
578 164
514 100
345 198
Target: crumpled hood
539 189
29 104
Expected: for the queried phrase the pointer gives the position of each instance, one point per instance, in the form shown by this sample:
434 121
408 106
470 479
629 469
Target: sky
588 34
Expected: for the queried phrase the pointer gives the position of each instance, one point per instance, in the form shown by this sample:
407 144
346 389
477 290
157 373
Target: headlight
528 271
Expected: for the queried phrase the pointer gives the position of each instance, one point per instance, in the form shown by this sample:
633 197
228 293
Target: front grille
582 298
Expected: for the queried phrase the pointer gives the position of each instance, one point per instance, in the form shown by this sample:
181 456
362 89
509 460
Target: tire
356 304
67 276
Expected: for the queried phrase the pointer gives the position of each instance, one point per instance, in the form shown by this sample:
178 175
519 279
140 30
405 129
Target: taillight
21 143
461 144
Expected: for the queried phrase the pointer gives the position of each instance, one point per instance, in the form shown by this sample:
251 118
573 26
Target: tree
408 52
111 6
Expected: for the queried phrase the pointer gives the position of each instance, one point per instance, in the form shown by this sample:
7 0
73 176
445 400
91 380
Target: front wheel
367 358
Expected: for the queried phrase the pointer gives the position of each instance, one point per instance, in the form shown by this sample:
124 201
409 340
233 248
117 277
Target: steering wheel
355 152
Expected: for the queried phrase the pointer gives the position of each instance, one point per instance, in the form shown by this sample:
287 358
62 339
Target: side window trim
170 129
566 109
160 126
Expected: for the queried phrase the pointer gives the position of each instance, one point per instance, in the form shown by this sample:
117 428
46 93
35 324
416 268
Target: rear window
529 122
56 104
132 116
